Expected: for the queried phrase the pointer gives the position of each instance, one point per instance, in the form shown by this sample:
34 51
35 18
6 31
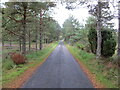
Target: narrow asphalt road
60 70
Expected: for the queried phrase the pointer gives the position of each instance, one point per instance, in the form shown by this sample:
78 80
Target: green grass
108 79
11 71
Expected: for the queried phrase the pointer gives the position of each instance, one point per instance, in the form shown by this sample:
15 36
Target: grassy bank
12 71
104 75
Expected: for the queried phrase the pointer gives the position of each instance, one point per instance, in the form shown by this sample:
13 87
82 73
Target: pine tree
14 12
102 13
119 35
99 36
41 9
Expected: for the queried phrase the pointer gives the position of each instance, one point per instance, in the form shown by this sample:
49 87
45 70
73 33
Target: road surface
60 70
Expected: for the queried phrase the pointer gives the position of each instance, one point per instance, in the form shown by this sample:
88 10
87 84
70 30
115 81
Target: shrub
108 42
84 47
17 58
80 46
92 38
7 64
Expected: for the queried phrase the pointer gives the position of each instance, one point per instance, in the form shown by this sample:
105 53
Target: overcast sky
81 13
60 14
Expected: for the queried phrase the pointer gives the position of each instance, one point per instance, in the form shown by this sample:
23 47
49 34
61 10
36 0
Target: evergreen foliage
108 42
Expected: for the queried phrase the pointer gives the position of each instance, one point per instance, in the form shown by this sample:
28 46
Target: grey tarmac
60 70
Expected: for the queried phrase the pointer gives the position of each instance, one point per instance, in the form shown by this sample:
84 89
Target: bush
7 64
80 46
92 38
17 58
84 47
108 42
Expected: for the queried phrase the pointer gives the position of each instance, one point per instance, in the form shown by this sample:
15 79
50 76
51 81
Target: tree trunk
20 44
36 38
46 41
10 43
119 33
24 33
2 41
36 33
24 41
99 37
29 41
40 46
119 46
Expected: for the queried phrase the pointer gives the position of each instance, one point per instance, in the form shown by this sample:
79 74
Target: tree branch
18 21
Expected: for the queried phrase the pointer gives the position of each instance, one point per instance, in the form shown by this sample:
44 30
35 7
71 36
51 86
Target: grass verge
103 75
12 71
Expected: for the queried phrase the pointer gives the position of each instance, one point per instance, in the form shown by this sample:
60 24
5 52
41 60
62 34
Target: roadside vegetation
12 71
105 73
